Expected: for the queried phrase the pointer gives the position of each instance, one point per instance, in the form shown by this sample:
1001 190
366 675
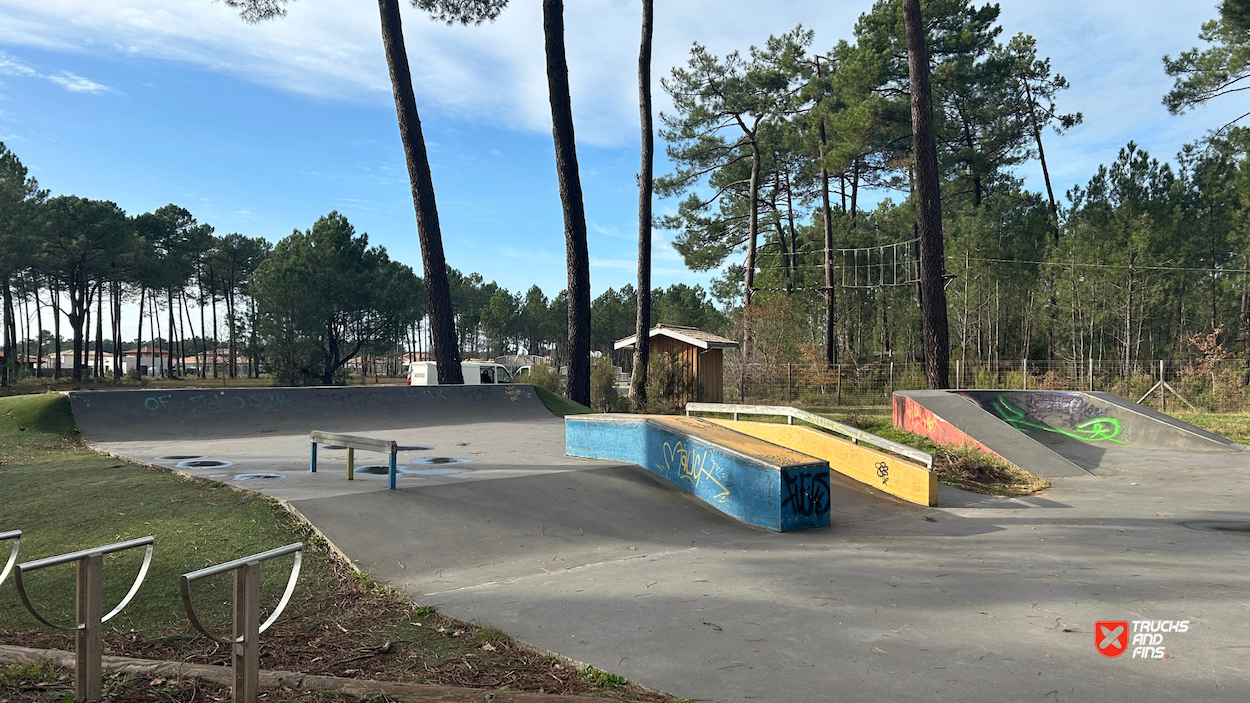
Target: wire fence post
1024 373
838 368
959 373
890 394
789 383
1163 396
1091 374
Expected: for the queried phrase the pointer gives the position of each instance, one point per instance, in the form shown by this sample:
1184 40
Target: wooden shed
701 351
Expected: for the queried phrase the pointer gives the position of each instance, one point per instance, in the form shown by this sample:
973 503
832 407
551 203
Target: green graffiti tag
1099 429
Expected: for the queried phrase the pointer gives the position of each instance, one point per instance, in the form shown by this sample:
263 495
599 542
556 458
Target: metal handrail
16 536
79 556
855 434
187 579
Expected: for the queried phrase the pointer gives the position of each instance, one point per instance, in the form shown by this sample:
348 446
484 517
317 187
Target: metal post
312 457
1163 396
838 368
1025 375
88 646
1091 374
351 463
246 660
393 472
891 393
789 383
959 373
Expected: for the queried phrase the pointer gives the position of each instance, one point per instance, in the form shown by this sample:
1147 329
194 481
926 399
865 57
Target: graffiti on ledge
694 468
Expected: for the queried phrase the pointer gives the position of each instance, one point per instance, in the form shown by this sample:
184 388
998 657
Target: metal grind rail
856 435
88 645
352 443
245 645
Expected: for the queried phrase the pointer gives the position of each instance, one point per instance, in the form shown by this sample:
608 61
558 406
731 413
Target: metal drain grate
1225 526
252 477
179 457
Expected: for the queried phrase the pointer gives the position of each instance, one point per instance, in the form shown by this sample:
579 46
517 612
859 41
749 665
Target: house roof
690 335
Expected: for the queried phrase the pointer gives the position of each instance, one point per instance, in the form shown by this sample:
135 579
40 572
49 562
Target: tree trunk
831 317
429 234
1041 155
642 328
56 330
748 287
213 295
10 335
934 331
98 365
139 333
39 333
578 260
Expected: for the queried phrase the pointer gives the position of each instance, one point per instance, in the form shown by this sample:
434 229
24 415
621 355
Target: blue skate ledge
757 482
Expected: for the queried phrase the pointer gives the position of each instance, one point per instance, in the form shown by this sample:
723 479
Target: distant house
703 352
88 361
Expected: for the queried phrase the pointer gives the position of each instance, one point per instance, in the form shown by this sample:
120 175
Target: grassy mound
44 416
559 405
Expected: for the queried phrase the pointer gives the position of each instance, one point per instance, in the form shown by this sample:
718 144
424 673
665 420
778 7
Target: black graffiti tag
805 494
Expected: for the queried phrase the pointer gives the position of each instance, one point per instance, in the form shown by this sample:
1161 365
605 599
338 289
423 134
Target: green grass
65 497
1234 426
559 405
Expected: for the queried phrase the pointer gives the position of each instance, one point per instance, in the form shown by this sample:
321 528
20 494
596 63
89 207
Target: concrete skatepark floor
994 600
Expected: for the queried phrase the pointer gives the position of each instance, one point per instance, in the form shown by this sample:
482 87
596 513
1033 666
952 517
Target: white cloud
12 66
77 84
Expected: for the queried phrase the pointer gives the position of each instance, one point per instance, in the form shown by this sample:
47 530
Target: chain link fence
1202 385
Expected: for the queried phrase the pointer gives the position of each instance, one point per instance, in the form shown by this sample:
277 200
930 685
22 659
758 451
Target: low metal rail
88 645
352 443
16 536
854 434
245 644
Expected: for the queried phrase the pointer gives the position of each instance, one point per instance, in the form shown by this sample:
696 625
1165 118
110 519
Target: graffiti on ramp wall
1098 429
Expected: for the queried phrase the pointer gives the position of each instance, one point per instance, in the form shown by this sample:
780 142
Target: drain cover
376 470
438 460
332 446
249 477
179 457
413 448
203 464
1218 526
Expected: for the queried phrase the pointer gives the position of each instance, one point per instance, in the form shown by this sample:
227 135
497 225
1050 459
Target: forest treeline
773 142
85 277
776 149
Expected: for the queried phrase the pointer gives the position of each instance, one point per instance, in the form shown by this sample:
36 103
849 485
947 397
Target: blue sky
261 129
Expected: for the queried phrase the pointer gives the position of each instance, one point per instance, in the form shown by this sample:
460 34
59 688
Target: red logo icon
1111 637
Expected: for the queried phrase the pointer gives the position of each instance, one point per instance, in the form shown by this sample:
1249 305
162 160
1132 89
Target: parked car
476 373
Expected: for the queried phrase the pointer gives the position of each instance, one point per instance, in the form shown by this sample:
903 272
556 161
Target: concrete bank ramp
1050 433
757 482
203 413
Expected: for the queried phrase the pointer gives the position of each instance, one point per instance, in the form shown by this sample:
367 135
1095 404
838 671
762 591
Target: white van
476 373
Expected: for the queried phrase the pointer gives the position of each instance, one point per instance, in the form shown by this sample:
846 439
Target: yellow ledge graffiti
901 478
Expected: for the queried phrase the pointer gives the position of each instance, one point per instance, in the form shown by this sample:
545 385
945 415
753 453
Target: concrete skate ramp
1050 433
113 416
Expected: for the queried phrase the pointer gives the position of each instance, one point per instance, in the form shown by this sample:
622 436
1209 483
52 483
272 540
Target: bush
545 376
670 384
603 395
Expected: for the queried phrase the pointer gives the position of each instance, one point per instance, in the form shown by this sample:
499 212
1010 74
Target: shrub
603 395
545 376
670 384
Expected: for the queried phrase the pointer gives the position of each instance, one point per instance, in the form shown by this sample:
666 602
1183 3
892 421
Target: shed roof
690 335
